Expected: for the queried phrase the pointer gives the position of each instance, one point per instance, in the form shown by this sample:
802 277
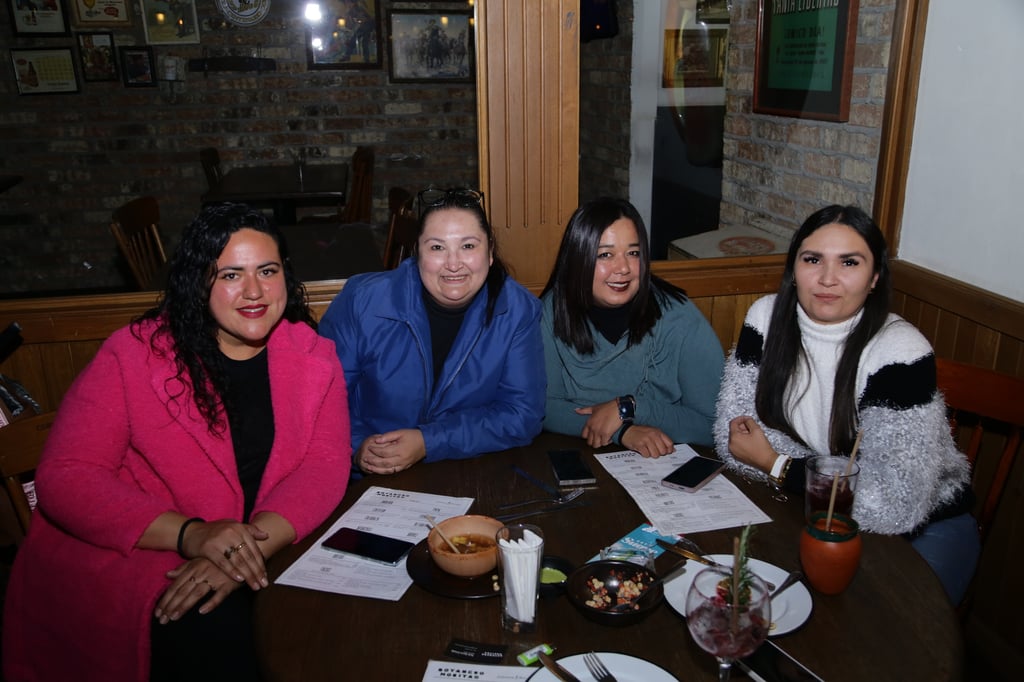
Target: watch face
243 12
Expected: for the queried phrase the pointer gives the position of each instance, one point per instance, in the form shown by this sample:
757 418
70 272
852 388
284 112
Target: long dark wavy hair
572 278
183 319
783 348
498 272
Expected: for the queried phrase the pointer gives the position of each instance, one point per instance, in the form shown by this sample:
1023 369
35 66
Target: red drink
710 625
821 471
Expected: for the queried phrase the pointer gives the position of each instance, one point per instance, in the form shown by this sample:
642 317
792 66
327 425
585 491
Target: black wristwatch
627 408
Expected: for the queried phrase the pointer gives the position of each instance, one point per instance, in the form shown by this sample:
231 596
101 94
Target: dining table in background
892 622
284 188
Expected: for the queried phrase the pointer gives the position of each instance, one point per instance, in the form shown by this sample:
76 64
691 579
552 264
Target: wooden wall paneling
1010 357
528 93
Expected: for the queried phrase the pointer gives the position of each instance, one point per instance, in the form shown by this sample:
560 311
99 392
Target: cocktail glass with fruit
727 626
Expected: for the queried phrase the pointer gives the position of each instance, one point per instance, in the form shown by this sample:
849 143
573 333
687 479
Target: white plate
790 610
624 668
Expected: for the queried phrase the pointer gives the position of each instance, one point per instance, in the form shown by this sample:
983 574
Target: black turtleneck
611 323
251 416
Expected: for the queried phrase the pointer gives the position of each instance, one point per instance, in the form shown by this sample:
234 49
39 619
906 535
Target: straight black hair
783 348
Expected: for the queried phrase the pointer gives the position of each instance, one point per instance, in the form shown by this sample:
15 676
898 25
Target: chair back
359 201
135 229
987 413
402 227
210 158
21 444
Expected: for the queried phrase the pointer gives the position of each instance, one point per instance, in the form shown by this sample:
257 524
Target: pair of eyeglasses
455 197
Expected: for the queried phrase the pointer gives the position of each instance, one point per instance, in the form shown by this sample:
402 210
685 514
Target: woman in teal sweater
629 359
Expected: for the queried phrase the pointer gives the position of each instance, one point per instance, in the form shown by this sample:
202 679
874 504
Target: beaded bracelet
181 533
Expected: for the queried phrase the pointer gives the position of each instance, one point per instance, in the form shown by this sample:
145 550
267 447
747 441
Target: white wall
962 215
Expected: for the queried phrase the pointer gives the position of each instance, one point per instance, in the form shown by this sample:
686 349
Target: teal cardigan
674 374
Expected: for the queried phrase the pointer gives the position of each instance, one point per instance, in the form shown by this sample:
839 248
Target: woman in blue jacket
442 356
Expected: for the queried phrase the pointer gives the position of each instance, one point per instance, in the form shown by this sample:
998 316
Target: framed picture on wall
38 17
170 22
344 35
137 66
695 58
96 51
42 72
101 13
803 63
428 46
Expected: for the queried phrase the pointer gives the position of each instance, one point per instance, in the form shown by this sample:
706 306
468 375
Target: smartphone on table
694 474
570 468
368 545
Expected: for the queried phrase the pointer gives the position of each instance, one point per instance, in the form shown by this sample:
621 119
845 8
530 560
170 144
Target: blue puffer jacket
490 395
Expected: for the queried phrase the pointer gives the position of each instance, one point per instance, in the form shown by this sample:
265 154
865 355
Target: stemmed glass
725 630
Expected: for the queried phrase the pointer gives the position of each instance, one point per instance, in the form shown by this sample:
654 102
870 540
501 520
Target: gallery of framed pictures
39 18
170 22
430 46
344 35
43 72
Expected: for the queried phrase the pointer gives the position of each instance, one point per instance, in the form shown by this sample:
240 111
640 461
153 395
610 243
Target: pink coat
81 596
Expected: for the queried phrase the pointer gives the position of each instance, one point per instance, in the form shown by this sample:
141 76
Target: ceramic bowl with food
473 536
614 592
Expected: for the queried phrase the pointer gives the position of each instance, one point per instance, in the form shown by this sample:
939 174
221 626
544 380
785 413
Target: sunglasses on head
456 197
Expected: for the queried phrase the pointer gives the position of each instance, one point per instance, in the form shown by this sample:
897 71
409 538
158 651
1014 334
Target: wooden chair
135 229
359 201
21 443
986 409
402 228
210 158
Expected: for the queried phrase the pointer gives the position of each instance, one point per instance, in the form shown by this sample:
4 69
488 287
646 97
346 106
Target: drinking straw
835 480
734 620
832 502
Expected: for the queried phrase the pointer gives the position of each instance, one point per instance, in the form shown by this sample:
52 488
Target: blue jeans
951 547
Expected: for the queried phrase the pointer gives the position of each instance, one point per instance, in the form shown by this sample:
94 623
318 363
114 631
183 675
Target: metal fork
596 668
561 499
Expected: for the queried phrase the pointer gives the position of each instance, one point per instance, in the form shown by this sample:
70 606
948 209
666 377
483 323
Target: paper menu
719 504
447 670
395 513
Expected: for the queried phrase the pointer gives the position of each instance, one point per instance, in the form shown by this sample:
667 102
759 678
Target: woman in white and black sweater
825 358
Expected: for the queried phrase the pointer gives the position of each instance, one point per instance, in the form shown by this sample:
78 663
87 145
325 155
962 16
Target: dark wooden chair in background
402 227
358 206
135 229
986 413
209 157
21 443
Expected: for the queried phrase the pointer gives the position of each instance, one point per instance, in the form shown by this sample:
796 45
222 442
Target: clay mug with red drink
820 472
830 554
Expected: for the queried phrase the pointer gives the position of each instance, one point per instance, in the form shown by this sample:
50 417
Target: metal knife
556 669
676 549
549 489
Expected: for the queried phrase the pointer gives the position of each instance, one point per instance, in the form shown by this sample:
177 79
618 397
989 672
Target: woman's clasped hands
391 452
224 555
604 423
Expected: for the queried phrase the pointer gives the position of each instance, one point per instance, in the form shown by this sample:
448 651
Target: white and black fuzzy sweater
910 468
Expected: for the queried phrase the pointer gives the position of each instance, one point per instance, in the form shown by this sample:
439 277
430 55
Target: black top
251 417
611 323
444 327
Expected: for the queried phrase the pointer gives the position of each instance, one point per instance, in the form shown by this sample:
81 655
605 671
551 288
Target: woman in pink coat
204 437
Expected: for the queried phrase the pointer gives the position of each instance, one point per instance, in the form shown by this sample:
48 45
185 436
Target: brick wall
84 154
778 170
605 74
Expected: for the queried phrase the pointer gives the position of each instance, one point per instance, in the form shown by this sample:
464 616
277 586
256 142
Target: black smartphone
771 664
570 468
368 545
694 474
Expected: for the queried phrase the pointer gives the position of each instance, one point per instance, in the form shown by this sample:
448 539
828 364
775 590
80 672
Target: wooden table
283 188
893 622
321 251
